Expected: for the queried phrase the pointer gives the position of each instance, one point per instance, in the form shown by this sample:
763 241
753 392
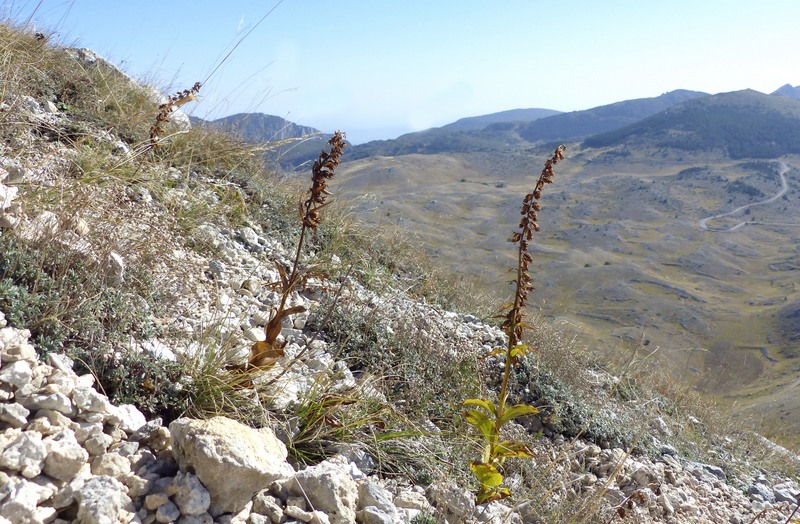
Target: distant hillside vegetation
508 129
473 123
741 124
580 124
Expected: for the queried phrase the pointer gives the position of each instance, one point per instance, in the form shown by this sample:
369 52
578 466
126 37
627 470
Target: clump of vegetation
491 418
56 294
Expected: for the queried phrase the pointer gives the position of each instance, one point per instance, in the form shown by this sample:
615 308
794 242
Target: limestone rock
16 374
453 502
372 494
65 457
102 500
232 461
25 454
330 488
192 498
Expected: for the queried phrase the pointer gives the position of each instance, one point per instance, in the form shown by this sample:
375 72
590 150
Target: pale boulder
233 461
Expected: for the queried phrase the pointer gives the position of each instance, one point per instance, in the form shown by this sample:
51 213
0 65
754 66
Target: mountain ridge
742 124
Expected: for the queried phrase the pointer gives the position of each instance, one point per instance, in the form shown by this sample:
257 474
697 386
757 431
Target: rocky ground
69 455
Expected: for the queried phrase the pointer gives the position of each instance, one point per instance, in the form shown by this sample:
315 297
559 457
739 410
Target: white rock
14 415
373 515
17 373
154 501
65 457
266 504
101 500
14 343
192 498
232 461
115 269
297 513
7 194
159 350
255 334
53 401
454 502
373 494
412 500
168 512
131 419
223 301
87 399
111 465
261 317
26 454
20 504
329 488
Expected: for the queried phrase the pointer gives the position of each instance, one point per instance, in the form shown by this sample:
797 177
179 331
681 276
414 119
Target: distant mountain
513 115
492 132
740 124
580 124
303 143
258 127
517 128
788 90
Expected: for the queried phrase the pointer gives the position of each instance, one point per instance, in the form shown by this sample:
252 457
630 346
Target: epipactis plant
490 418
265 353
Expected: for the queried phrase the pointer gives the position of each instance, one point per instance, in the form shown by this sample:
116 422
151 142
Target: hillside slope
510 116
568 127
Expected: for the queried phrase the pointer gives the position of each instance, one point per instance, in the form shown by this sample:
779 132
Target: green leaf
485 404
488 495
486 474
517 411
513 449
498 351
480 420
520 350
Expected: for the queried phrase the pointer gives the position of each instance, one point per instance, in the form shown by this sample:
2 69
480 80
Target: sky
378 68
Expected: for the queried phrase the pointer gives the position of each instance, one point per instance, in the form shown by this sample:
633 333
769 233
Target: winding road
784 168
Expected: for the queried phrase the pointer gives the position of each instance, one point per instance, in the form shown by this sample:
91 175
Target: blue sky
377 69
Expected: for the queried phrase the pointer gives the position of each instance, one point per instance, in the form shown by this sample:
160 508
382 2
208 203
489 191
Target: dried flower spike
173 102
513 324
488 417
320 174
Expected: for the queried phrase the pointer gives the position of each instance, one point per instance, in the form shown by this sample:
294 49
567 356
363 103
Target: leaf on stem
485 425
485 404
516 411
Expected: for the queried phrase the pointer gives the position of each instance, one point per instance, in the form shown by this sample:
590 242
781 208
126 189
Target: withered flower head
513 325
173 102
322 171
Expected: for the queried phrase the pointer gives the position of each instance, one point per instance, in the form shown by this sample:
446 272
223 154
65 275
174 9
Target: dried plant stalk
265 353
513 324
173 102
